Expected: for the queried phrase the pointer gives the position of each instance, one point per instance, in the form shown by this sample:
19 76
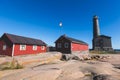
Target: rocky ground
99 67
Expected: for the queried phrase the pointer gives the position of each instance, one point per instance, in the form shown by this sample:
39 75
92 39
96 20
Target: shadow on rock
103 77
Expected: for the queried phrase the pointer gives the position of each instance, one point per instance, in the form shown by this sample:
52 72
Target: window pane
34 47
4 47
66 45
42 47
22 47
59 45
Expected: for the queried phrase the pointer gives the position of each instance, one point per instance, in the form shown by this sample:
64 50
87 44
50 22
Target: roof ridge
75 40
20 36
24 40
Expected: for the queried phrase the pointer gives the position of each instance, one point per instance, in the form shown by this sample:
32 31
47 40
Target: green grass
102 52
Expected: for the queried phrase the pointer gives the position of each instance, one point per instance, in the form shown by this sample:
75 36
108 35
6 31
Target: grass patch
102 52
10 65
89 74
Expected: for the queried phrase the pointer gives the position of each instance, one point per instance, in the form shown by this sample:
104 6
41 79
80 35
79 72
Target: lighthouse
100 42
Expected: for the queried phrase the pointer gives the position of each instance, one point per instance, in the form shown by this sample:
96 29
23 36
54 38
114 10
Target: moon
60 24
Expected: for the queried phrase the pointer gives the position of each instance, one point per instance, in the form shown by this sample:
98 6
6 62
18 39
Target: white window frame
42 47
66 45
4 47
59 45
34 47
22 47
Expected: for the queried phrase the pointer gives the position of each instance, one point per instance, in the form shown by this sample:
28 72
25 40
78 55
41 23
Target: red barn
13 45
66 44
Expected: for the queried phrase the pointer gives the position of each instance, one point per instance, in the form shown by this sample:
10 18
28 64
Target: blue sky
40 19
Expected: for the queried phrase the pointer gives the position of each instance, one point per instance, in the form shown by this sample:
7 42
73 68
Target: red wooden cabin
67 44
13 45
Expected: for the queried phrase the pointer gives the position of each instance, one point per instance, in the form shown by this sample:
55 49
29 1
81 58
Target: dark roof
73 40
15 39
105 36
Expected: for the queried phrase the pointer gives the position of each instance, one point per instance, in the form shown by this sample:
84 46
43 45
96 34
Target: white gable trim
13 50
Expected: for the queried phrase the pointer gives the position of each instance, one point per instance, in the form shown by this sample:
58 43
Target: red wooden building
13 45
66 44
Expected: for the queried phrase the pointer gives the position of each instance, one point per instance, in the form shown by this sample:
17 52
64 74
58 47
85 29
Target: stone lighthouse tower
100 42
96 30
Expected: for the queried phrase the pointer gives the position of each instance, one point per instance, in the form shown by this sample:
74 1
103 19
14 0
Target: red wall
29 50
78 47
8 50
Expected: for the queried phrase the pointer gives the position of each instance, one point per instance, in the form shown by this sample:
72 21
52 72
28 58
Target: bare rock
103 77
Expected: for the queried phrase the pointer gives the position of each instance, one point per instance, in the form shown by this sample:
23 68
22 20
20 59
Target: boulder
75 56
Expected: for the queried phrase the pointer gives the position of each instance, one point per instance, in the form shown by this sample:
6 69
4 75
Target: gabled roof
72 40
15 39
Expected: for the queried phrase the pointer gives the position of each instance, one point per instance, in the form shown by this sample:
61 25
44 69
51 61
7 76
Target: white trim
13 50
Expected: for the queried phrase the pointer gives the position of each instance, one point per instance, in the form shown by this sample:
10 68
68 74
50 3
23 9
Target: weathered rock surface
27 59
65 70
